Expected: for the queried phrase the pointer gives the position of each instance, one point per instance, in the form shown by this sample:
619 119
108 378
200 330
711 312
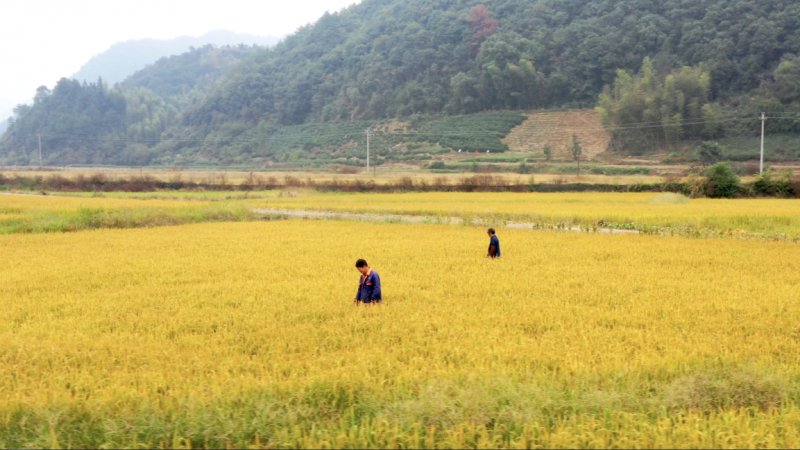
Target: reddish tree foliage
482 22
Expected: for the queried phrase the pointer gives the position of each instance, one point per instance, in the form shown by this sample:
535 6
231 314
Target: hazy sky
44 40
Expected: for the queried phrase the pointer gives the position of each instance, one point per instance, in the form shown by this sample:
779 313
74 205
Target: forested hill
677 63
177 77
94 123
387 58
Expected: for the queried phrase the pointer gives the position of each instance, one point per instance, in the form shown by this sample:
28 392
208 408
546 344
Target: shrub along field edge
700 186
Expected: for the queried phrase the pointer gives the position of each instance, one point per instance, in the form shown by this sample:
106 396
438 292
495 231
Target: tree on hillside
482 23
709 153
503 75
648 110
576 151
787 80
78 123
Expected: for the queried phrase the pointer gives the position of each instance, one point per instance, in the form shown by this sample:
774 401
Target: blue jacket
369 288
494 242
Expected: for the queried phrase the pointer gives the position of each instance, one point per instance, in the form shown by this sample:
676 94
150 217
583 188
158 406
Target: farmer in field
494 244
369 286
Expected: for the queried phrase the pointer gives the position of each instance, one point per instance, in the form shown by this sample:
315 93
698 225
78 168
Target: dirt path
23 194
400 218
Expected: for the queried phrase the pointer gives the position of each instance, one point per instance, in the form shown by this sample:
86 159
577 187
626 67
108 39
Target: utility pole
40 150
369 134
761 164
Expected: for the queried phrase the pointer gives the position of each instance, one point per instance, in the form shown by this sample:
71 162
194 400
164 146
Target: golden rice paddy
245 334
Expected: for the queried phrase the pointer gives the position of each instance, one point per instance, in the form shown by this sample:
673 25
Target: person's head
490 232
362 266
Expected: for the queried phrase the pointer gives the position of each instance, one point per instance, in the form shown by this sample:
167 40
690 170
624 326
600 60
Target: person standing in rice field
369 285
494 244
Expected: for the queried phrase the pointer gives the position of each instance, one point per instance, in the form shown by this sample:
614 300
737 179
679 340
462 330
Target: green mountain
400 66
184 79
388 58
92 123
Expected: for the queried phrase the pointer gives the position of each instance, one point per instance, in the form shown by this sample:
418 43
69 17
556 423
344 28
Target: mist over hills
123 59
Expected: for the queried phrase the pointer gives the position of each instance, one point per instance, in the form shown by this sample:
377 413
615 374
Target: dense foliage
80 120
652 110
180 77
657 110
385 58
705 64
92 123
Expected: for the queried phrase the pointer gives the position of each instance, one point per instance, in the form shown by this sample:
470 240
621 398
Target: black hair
362 263
491 231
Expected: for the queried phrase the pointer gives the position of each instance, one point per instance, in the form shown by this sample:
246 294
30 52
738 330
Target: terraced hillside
556 129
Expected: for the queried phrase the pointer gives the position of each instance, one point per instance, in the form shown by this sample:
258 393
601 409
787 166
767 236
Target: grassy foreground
653 213
46 214
244 334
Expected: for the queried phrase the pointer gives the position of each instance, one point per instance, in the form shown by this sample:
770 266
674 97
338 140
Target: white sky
44 40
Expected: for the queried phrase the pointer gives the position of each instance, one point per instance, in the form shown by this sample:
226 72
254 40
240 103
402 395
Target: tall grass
87 218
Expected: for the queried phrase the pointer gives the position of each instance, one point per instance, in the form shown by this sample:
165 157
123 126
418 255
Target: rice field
47 213
660 213
244 334
651 213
